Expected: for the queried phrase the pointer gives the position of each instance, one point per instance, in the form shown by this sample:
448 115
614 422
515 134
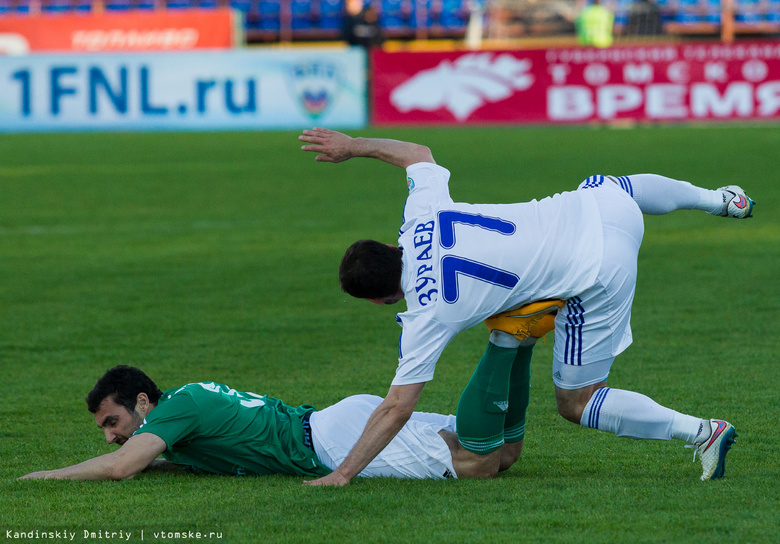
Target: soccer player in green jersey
210 428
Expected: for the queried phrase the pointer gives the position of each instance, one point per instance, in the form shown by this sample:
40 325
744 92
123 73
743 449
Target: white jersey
463 263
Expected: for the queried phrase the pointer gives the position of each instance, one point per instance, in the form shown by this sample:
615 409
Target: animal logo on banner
464 85
315 85
13 44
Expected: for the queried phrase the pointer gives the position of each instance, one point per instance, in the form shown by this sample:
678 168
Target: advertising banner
694 82
123 31
223 90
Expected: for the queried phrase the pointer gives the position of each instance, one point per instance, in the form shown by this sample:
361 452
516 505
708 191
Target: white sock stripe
595 410
625 184
591 406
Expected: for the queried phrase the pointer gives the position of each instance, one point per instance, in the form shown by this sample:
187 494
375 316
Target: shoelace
695 450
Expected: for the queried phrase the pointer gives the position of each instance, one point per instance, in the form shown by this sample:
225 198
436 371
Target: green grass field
214 257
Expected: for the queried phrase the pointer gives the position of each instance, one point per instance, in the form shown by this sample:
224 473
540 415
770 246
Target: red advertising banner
126 31
690 82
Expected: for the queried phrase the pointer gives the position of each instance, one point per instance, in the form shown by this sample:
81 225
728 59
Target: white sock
658 195
626 413
693 430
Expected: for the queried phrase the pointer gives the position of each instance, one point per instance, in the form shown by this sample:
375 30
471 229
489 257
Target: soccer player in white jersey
457 264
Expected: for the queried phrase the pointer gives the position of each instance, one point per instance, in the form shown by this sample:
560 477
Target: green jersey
213 428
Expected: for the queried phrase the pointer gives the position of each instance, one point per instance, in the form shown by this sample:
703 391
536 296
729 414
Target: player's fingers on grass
311 138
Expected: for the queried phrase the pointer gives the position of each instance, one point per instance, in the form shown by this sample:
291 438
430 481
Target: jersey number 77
452 266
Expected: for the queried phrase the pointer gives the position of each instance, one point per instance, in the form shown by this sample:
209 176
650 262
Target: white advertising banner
216 90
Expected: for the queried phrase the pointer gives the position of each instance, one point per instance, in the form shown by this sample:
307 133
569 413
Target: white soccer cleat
736 203
712 452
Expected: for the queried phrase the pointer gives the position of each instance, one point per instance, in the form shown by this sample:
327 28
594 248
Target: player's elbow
399 413
420 153
119 471
401 400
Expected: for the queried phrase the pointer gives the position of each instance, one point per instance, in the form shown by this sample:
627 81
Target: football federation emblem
464 85
315 85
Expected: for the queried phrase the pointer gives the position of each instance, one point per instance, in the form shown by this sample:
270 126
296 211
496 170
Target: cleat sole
725 446
750 211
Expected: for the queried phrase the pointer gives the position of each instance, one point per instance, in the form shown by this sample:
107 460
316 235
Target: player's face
117 423
386 301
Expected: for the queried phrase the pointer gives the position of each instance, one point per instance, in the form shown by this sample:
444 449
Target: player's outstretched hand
332 146
332 479
37 475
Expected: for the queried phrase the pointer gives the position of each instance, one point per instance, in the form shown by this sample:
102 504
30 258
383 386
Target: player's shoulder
193 391
427 167
421 174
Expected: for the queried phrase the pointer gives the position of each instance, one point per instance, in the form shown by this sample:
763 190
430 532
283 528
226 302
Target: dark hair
124 383
371 269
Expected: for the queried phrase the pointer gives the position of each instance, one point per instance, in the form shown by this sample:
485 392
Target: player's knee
510 454
570 405
572 402
469 464
481 467
569 411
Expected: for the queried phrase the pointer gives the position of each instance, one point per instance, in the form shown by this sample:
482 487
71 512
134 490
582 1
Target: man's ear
142 403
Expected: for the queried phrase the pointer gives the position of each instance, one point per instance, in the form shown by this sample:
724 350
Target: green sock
483 405
519 395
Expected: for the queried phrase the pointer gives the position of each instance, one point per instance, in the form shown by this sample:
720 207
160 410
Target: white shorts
417 451
595 326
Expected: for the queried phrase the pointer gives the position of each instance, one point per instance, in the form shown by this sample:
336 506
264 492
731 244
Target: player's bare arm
133 457
333 146
386 421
